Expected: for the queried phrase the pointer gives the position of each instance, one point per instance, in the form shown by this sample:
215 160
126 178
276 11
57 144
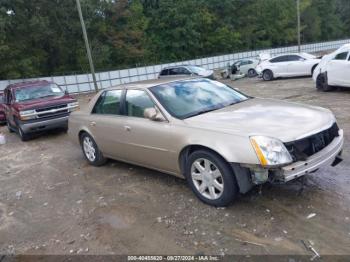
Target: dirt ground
53 202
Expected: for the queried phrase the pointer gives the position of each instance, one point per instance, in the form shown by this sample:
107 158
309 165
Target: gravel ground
53 202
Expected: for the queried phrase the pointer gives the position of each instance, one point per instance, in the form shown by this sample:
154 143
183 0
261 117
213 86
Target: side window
183 71
108 103
341 56
172 71
295 58
279 59
179 71
1 98
164 72
136 102
246 62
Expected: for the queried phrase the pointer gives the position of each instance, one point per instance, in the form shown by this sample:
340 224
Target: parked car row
220 140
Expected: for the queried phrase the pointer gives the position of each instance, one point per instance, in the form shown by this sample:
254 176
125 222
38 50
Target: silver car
222 141
185 71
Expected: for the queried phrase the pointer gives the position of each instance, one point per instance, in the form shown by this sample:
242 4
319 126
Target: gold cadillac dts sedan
221 141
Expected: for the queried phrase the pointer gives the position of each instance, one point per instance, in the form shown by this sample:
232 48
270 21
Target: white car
185 71
289 65
243 66
333 70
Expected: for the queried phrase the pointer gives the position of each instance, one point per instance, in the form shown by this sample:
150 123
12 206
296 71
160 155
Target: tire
252 73
217 191
322 83
24 136
91 151
267 75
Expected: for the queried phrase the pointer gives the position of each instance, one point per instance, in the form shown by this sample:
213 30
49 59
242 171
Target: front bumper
54 123
323 158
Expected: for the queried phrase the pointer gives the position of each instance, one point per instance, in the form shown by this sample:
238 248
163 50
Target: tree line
39 38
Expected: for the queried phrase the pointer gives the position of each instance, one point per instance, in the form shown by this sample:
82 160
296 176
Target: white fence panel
84 83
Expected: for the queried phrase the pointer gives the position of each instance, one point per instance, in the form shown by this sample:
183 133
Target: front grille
301 149
50 114
50 108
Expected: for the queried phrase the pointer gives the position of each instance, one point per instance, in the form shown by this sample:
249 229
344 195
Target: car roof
150 83
28 84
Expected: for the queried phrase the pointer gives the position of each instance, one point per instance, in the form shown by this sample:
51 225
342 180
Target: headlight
270 151
73 106
27 114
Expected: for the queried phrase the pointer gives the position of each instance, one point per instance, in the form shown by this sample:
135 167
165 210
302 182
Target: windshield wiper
203 111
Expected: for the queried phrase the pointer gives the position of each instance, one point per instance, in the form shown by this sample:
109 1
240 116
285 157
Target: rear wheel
252 72
91 151
211 178
267 75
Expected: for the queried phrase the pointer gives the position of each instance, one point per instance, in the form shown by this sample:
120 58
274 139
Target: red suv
2 109
37 106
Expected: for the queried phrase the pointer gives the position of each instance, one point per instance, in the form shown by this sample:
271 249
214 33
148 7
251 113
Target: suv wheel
91 152
22 135
267 75
211 178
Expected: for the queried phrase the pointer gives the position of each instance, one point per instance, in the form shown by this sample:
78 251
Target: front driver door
148 143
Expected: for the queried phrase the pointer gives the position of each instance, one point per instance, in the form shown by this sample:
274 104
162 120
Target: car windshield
184 99
196 69
36 92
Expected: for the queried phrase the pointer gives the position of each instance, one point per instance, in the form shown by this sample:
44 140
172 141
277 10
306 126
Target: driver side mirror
153 114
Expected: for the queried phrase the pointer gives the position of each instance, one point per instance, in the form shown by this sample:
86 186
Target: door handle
92 123
127 128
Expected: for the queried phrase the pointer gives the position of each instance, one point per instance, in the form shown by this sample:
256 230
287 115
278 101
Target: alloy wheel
207 178
89 149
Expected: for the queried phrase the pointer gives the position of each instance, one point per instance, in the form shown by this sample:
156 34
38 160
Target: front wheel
91 152
252 73
211 178
322 83
24 136
267 75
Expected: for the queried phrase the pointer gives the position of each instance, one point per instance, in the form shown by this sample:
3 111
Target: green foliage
39 38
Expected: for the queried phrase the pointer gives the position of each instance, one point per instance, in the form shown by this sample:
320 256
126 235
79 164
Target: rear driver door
107 122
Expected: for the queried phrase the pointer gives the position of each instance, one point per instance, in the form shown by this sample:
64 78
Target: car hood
206 73
283 120
43 102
